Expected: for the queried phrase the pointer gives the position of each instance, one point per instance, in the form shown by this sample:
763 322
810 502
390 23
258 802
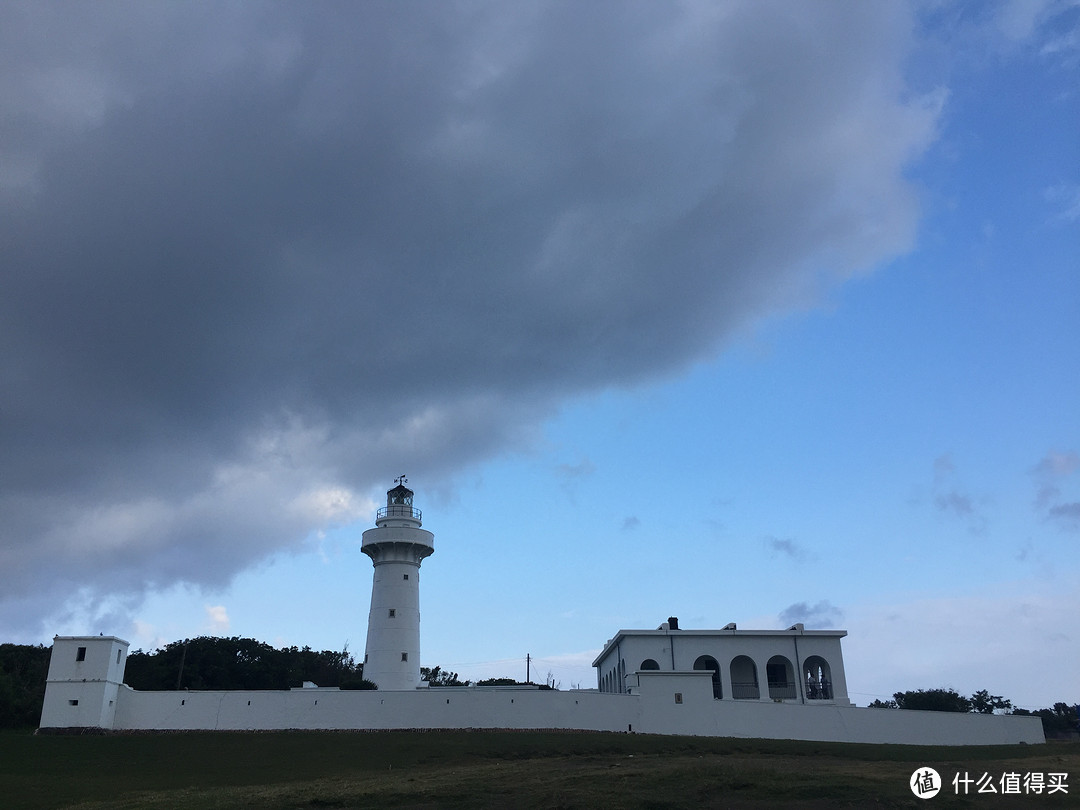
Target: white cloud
1018 20
1014 639
1066 199
217 620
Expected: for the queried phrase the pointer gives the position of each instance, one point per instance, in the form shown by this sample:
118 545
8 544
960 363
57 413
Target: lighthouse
396 545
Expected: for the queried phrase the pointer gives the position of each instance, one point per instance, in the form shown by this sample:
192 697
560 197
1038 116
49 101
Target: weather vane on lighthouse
401 480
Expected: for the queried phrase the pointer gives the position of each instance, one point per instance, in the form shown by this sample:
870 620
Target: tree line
197 663
203 663
211 663
437 676
1061 720
23 669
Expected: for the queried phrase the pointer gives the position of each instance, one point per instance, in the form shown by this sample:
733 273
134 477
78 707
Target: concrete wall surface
83 691
448 707
680 703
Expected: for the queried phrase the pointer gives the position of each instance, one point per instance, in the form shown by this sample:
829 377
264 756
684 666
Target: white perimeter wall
654 709
700 715
446 707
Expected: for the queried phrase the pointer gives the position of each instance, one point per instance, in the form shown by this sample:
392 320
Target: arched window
649 663
710 663
818 678
781 677
744 683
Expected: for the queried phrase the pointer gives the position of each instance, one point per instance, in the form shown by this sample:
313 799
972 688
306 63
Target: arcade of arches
743 671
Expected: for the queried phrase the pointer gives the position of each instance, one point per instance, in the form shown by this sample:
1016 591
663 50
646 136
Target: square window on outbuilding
80 654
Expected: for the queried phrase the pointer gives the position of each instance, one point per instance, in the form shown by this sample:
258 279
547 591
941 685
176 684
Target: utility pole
183 657
528 661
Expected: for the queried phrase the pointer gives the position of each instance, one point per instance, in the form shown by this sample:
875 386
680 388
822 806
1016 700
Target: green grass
457 769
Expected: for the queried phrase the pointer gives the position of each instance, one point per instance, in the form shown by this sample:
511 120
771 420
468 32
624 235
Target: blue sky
840 388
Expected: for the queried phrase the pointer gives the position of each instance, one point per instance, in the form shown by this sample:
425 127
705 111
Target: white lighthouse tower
396 546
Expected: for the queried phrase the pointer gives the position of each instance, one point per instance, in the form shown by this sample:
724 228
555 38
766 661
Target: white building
736 659
86 674
781 684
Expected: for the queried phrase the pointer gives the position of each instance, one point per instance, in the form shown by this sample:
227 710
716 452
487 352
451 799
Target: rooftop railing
819 690
745 690
782 690
398 510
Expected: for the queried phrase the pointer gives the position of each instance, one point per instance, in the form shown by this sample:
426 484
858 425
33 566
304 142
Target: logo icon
925 782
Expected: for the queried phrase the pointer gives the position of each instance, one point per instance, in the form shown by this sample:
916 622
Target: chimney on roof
673 622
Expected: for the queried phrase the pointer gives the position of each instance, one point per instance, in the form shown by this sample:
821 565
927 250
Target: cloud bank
258 258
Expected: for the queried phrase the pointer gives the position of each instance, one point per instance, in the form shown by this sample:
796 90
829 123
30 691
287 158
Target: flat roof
614 640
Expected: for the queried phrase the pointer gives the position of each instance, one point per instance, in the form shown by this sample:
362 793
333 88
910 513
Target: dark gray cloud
258 255
955 502
788 548
1054 471
952 499
820 616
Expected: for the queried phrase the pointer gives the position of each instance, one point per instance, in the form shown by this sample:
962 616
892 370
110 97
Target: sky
731 311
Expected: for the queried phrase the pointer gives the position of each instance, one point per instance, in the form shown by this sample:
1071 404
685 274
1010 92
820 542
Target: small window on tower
118 652
392 613
404 656
73 703
406 576
80 654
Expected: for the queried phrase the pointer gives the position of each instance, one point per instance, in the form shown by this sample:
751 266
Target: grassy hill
457 769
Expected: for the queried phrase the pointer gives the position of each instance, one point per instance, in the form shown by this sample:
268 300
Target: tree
946 700
23 669
512 682
437 676
358 683
982 702
933 700
1060 721
237 663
